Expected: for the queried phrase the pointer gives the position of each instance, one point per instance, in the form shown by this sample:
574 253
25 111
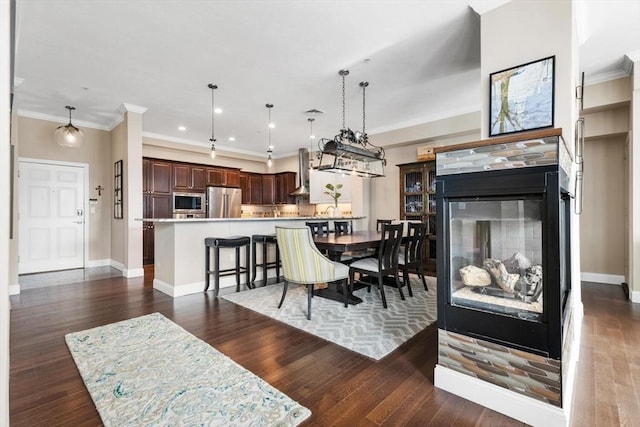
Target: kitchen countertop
267 218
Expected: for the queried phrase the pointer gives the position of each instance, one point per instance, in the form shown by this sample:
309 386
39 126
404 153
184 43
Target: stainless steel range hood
303 174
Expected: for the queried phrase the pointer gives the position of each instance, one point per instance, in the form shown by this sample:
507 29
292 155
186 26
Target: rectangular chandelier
345 158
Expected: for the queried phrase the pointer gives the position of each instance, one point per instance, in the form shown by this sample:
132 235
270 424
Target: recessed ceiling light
231 138
182 128
218 110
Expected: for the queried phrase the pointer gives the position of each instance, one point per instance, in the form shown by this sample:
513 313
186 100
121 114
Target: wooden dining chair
410 255
304 264
342 227
379 223
384 265
318 228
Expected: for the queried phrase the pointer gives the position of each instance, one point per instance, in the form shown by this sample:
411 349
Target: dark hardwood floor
340 387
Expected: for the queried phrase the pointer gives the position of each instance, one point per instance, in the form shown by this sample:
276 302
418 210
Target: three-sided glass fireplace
504 255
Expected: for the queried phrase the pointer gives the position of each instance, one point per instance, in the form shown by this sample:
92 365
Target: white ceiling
421 59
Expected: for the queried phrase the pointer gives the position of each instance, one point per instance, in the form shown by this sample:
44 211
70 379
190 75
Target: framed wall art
522 98
117 190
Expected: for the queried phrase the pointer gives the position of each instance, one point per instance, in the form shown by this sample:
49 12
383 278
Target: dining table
337 244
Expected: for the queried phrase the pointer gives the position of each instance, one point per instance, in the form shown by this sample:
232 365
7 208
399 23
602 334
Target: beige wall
602 224
36 142
506 42
118 136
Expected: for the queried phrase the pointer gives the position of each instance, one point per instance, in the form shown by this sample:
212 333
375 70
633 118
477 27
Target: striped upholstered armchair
304 264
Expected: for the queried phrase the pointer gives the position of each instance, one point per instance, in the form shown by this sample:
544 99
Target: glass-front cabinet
418 202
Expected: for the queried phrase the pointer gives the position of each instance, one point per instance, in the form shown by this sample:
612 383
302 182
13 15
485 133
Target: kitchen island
180 253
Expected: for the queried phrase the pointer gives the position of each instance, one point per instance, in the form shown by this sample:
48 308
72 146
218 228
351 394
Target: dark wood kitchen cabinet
153 206
223 177
255 189
243 180
268 189
285 184
232 178
148 243
188 177
156 176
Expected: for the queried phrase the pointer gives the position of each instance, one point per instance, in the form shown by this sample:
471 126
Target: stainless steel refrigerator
223 202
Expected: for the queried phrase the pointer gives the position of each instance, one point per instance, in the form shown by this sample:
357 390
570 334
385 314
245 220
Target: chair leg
284 293
407 280
277 263
237 272
381 287
421 274
217 275
398 285
246 270
253 263
345 289
207 267
265 271
309 296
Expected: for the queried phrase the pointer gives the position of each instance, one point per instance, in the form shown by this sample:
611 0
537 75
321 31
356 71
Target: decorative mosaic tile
521 154
529 374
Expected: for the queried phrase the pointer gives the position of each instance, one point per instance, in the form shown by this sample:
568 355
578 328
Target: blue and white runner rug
148 371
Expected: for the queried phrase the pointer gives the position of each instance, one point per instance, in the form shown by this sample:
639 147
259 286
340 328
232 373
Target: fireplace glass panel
496 256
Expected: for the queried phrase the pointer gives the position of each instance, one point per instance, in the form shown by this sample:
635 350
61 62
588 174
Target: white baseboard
178 291
117 265
609 279
514 405
128 273
227 286
14 289
98 263
635 296
134 272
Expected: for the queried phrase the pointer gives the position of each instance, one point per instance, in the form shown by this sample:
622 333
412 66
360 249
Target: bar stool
265 240
217 243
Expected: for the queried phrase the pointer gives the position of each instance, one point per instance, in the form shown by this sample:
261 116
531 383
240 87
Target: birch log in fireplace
504 256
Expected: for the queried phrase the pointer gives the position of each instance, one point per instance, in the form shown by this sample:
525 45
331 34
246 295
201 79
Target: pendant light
269 147
213 138
69 135
311 139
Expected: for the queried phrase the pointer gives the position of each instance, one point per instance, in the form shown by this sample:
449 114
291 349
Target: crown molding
59 119
630 59
604 77
483 6
131 108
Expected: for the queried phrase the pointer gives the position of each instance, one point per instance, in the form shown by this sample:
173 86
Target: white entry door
51 217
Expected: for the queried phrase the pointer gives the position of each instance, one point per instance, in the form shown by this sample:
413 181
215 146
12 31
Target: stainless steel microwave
193 203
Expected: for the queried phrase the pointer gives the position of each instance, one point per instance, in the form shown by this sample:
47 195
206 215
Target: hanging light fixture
213 138
349 151
69 135
269 147
312 137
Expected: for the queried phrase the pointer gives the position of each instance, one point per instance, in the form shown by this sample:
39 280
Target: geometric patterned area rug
150 371
366 328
